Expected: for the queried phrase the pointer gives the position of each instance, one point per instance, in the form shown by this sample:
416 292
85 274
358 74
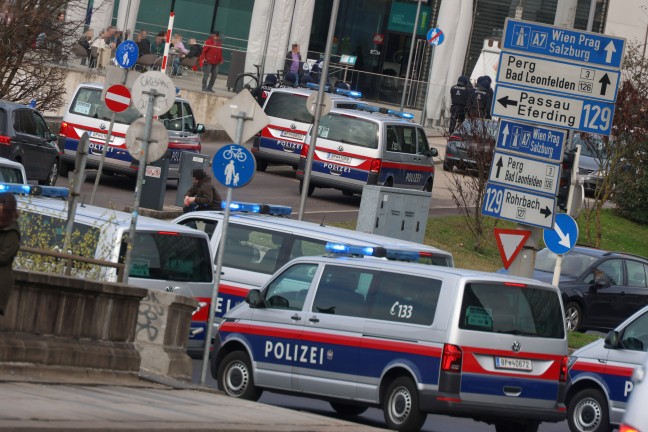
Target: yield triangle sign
510 243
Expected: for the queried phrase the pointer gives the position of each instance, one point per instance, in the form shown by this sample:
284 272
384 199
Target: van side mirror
254 299
433 152
53 137
200 128
612 339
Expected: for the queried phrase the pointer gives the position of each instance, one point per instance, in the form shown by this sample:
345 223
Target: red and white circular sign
378 39
118 98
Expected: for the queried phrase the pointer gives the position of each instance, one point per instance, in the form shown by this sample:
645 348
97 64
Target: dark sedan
471 145
25 138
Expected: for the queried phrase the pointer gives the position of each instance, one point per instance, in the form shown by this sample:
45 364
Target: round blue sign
127 54
233 165
435 36
562 238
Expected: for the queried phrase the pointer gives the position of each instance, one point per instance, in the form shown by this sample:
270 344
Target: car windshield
574 263
591 145
478 128
288 106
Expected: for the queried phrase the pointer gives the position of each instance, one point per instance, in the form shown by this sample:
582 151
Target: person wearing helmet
261 92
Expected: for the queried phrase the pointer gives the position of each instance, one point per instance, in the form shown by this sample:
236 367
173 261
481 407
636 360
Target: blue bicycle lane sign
233 166
127 54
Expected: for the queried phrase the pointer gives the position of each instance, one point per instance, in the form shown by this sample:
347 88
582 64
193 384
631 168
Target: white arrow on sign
610 49
564 238
505 133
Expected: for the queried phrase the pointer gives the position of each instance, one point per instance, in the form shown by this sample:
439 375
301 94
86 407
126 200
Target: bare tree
35 38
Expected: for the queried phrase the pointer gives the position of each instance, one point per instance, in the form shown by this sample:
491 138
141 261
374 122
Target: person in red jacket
212 54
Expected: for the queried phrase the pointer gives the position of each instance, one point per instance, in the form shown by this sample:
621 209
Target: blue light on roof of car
371 108
401 255
20 188
377 252
341 248
349 93
313 86
276 210
401 114
54 191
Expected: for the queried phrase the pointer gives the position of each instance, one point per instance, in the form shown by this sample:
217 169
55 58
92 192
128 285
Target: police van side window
172 119
88 103
393 143
405 298
635 335
422 146
340 291
205 225
188 118
289 289
407 134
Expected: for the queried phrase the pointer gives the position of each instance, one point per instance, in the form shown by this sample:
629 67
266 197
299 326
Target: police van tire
348 409
447 166
588 412
401 406
64 169
235 377
261 165
311 188
573 317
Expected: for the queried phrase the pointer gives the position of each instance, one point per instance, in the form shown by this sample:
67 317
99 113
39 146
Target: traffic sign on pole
118 98
510 243
546 108
435 36
563 43
530 140
558 76
233 166
518 206
127 54
158 81
528 174
562 238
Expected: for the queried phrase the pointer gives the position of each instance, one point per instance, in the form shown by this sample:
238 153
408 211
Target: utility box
154 184
189 162
394 212
236 67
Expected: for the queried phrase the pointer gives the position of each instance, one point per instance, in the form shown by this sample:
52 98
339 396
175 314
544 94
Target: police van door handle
313 319
295 317
512 391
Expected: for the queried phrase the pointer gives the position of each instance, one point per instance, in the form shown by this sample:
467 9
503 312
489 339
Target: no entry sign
118 98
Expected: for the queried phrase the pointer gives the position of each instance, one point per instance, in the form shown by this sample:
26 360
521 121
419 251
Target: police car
600 376
358 330
635 418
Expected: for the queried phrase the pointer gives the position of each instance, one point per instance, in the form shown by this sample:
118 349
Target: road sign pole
525 261
152 94
557 270
241 118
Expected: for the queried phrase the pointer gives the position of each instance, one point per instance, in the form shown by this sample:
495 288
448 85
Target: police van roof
373 116
98 216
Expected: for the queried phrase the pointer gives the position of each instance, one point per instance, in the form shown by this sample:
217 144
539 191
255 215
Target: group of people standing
469 101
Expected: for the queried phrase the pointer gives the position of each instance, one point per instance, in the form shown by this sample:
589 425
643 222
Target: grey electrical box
154 184
394 212
189 162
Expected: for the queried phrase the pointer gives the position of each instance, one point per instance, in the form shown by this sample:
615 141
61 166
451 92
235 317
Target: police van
259 244
368 146
280 142
600 376
165 256
12 171
88 113
411 339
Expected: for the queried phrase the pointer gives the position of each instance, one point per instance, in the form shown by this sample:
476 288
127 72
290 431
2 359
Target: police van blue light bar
371 108
18 188
378 252
54 191
350 93
276 210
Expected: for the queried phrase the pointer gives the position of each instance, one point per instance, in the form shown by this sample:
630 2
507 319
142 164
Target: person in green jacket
9 244
201 195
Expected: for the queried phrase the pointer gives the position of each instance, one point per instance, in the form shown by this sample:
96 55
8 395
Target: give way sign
510 243
118 98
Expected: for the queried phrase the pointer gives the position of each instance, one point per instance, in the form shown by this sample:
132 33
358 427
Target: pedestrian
459 94
478 100
9 244
293 63
201 195
261 92
212 54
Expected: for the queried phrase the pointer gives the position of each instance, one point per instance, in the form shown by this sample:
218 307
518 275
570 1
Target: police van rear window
349 130
517 310
88 103
10 175
288 106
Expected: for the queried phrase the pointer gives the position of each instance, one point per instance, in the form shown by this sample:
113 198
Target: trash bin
154 183
236 67
189 162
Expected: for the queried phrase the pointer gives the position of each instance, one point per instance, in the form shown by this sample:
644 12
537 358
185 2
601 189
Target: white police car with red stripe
600 376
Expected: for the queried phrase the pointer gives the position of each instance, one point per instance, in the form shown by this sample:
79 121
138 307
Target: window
611 269
88 103
41 127
289 289
636 274
188 118
499 308
24 122
407 136
11 175
204 225
340 289
169 256
405 298
574 263
635 335
172 119
288 106
422 146
349 130
393 144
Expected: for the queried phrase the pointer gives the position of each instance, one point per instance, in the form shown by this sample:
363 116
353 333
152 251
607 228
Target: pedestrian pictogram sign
510 243
118 98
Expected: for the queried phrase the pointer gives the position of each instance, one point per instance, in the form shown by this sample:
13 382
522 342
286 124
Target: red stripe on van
424 168
471 365
601 368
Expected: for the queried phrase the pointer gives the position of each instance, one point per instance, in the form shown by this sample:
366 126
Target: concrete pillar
127 16
566 13
102 13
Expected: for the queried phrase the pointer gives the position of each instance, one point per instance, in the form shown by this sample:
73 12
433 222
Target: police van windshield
88 103
349 130
170 256
288 106
516 310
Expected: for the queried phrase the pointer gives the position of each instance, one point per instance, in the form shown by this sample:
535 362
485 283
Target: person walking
201 195
293 63
9 244
459 94
212 54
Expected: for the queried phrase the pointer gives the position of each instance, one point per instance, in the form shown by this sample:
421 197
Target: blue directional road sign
233 166
563 43
562 238
528 104
127 54
536 141
518 206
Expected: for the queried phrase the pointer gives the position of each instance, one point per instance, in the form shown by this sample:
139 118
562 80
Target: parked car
635 418
600 288
592 164
25 138
471 145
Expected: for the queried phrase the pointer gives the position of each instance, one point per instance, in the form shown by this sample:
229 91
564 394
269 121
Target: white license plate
339 158
293 135
512 363
99 135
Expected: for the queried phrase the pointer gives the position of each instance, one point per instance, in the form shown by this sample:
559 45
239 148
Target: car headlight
638 375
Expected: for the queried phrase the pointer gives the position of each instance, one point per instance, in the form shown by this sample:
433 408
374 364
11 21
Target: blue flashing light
401 255
55 192
350 93
377 252
401 114
19 188
313 86
341 248
275 210
375 109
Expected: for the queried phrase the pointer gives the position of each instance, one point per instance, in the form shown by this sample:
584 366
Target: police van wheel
348 409
235 377
52 175
573 316
588 412
401 406
261 165
311 188
64 169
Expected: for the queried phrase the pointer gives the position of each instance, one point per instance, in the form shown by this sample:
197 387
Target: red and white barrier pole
167 42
